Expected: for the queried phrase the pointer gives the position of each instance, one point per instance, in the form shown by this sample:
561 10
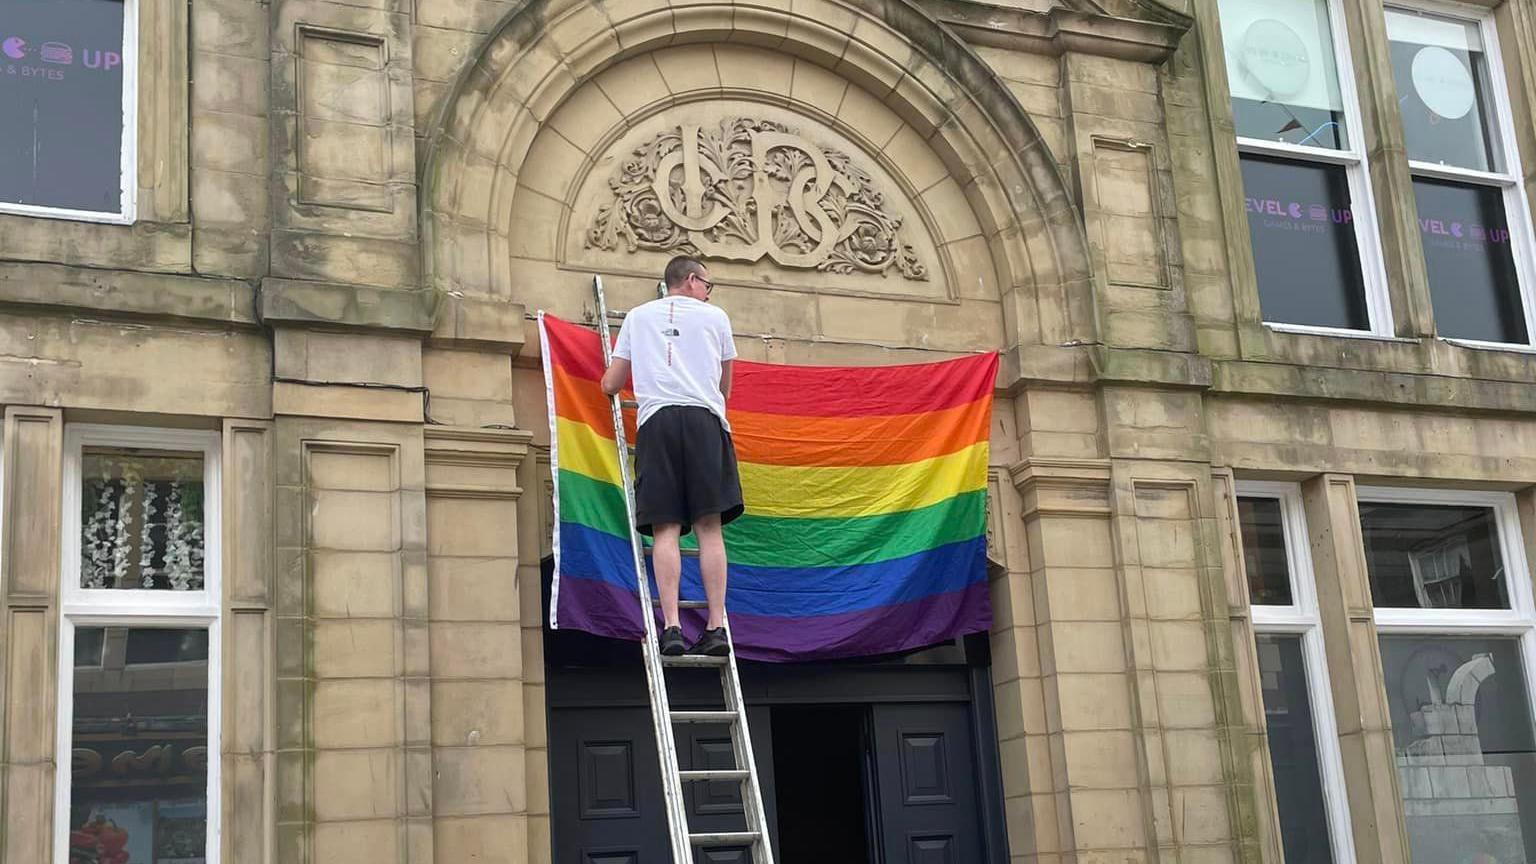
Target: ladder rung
693 604
694 660
703 717
686 553
717 774
628 403
617 314
724 838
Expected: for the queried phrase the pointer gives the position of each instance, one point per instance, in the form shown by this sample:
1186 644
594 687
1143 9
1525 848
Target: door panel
926 776
605 786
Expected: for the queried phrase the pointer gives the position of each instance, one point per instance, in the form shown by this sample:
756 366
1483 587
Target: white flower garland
96 541
183 544
105 537
146 539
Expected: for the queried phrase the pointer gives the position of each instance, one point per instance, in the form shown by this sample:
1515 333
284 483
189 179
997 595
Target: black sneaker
672 642
712 643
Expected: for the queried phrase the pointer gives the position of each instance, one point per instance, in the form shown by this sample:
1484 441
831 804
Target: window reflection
1269 575
61 95
1282 72
1470 253
1444 90
1433 556
1293 750
1302 224
1466 759
139 759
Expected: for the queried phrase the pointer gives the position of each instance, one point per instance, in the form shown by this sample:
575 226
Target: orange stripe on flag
894 439
582 400
785 439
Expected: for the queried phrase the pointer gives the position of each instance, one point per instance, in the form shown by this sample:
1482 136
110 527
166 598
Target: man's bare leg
668 562
712 566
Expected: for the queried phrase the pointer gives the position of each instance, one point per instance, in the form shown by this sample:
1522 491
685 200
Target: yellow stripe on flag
808 492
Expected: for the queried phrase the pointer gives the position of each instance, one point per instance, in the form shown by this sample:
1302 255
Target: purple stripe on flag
607 610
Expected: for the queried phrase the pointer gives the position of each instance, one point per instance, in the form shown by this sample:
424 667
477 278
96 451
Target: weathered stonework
350 212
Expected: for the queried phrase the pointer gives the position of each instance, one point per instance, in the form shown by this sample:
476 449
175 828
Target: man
680 350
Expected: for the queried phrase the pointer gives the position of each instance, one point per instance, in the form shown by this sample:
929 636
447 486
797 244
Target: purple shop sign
98 59
58 53
1294 210
1460 230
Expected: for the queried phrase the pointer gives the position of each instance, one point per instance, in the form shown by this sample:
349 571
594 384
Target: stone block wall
350 213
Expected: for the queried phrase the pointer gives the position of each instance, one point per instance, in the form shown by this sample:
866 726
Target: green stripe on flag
767 541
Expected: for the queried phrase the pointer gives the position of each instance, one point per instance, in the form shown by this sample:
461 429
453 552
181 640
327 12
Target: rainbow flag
865 491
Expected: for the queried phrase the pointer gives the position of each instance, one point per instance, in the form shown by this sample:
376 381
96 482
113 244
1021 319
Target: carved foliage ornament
749 189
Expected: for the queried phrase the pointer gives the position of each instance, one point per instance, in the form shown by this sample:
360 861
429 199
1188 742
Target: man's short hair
680 268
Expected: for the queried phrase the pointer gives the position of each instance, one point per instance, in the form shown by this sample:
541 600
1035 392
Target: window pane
1282 72
61 92
141 520
1433 556
165 646
1444 90
1293 750
1471 261
1304 248
1269 576
139 779
1461 726
88 646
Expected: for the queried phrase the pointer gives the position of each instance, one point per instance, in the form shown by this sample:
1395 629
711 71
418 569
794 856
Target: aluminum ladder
662 716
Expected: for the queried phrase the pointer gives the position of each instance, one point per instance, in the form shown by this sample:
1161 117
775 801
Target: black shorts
685 468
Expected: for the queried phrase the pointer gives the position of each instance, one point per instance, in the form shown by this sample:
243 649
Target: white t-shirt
675 346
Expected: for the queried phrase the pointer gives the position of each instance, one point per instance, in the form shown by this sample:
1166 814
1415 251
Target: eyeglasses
709 287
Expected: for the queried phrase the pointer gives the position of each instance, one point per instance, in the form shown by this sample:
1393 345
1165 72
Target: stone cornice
479 323
129 293
468 462
1062 30
1062 487
331 305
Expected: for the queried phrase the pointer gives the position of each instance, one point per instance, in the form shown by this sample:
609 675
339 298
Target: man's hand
615 376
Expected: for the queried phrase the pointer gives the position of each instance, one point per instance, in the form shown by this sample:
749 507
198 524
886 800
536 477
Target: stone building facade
1261 502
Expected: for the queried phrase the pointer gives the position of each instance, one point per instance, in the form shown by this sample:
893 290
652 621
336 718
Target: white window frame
1302 618
128 174
1362 201
82 607
1518 621
1517 208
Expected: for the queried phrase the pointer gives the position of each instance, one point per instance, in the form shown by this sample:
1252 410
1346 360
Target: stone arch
1465 681
546 50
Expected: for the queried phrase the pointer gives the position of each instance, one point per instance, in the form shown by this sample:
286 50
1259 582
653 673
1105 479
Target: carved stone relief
749 189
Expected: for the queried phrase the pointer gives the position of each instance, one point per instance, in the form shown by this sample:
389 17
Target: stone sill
124 292
1424 390
446 320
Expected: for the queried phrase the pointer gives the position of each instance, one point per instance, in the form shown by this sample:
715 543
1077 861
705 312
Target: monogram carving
750 189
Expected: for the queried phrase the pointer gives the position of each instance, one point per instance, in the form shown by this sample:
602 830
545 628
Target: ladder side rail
752 798
666 742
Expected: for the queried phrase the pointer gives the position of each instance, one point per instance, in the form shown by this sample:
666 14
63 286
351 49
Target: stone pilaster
354 761
483 770
1354 669
29 590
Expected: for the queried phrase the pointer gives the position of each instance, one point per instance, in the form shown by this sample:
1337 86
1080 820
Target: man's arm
615 376
725 378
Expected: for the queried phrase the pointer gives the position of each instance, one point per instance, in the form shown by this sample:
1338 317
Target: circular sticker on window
1276 57
1443 82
